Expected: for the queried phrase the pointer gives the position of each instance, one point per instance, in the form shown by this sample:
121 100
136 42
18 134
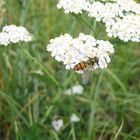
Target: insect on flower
84 65
82 54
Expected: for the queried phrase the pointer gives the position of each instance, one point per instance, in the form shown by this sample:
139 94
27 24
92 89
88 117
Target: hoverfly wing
85 77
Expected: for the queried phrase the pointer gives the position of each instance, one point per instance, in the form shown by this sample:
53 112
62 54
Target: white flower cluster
14 34
74 6
72 51
122 18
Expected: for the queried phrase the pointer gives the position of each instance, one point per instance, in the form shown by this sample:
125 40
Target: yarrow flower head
121 18
14 34
72 51
74 6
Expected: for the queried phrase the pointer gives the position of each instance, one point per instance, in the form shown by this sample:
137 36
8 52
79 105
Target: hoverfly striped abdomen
84 64
80 66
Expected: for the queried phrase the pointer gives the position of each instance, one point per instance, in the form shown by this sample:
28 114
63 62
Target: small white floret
77 89
57 124
74 118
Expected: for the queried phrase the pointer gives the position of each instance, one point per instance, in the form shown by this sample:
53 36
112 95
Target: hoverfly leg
97 63
105 60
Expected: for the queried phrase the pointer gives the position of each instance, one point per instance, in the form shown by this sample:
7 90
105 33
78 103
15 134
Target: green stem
23 12
85 22
43 68
73 132
91 130
51 107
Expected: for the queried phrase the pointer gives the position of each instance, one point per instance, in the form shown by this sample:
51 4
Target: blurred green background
32 83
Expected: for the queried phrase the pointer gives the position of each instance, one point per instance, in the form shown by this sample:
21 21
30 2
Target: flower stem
84 21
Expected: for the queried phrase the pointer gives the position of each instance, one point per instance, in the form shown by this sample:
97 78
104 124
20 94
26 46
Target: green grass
109 109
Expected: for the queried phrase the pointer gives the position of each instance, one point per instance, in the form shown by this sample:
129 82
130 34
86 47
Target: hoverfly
84 65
